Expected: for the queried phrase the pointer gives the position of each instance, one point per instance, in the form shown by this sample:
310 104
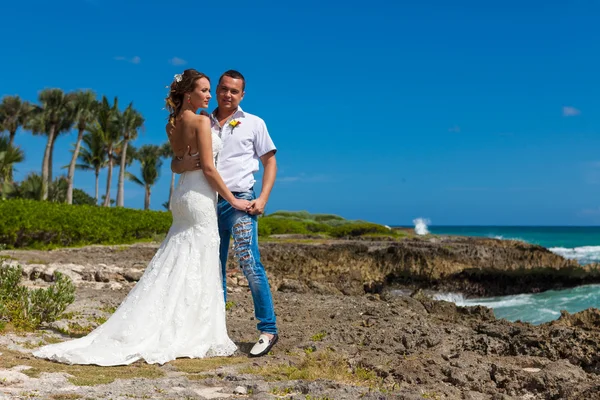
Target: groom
245 142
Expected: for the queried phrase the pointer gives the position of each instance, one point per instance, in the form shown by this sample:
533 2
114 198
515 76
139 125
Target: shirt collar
239 113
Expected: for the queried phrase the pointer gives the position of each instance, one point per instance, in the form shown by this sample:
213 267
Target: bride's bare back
184 134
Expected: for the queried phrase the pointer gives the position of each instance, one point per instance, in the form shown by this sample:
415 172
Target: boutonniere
234 123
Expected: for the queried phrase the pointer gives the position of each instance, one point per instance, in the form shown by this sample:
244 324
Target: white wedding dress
177 308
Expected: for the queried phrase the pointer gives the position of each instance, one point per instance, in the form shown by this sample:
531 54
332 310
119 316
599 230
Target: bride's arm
207 164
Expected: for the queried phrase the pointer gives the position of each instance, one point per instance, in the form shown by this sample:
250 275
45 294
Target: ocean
579 243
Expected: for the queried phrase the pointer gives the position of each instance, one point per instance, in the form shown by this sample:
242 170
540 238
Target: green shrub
264 229
358 229
315 227
29 308
302 222
81 197
292 214
30 223
279 226
328 218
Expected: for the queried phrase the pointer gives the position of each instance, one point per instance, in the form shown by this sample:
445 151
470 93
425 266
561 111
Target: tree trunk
147 198
54 137
97 181
12 138
71 174
109 177
10 144
45 163
171 189
121 188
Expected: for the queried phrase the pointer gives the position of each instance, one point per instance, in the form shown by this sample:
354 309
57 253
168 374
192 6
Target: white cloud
304 178
591 211
455 129
591 172
570 111
177 61
289 179
493 189
133 60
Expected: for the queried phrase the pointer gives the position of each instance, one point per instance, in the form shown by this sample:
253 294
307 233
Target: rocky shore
473 266
343 335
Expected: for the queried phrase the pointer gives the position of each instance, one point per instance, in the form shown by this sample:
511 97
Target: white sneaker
263 345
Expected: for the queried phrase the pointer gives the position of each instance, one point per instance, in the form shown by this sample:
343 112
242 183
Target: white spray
421 226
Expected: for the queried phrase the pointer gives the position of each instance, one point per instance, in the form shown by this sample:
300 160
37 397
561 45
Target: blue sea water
579 243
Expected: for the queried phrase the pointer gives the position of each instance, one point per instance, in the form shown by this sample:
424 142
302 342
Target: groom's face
229 93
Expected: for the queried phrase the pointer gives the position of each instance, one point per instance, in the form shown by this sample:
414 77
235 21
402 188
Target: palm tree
30 187
85 107
13 114
52 117
65 126
149 157
57 190
106 127
130 122
9 155
167 152
92 156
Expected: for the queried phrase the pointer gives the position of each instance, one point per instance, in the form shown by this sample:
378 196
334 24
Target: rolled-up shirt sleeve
262 140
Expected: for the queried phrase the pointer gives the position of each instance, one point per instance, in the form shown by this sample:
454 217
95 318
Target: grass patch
82 375
97 320
29 345
200 365
66 396
108 309
229 305
282 391
36 261
317 337
322 365
51 339
74 329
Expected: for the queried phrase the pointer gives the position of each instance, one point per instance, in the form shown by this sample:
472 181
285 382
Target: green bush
29 308
81 197
328 218
358 229
315 227
300 215
301 222
279 226
30 223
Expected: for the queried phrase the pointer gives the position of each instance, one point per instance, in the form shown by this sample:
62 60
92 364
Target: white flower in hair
178 77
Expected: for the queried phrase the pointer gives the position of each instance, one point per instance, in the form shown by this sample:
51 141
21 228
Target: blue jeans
244 229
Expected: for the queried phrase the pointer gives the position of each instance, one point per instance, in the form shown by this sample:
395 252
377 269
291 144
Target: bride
177 308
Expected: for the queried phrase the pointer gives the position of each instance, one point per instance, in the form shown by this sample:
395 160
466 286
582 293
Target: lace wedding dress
177 307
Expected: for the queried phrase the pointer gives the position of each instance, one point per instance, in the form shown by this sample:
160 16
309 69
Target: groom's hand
256 207
186 163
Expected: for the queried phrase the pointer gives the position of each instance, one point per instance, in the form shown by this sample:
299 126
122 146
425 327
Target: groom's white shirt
243 146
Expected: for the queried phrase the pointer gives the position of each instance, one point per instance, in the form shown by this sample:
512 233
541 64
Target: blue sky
461 112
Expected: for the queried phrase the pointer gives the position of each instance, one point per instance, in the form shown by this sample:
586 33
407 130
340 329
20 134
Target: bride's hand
240 204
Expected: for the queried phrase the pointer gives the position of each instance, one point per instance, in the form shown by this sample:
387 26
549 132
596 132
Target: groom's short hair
232 73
